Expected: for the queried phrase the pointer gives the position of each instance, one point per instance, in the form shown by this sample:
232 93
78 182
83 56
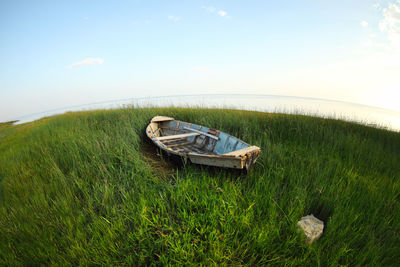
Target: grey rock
312 227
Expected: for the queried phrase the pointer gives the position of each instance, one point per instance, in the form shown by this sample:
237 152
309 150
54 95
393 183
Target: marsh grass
85 188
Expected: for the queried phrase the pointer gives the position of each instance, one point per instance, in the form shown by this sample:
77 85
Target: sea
367 115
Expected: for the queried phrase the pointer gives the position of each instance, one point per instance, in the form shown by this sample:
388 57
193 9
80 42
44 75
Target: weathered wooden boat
201 145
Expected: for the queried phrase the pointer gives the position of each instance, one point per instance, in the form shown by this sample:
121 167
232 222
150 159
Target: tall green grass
87 188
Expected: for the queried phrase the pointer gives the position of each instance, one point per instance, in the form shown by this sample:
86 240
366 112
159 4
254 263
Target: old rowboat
201 145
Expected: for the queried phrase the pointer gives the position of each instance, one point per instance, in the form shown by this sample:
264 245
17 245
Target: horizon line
193 95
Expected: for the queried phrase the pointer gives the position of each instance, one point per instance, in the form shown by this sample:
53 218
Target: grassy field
87 188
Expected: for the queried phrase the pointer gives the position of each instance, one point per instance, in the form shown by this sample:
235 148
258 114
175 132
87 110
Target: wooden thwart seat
177 136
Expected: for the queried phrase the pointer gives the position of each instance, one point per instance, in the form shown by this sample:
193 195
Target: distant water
267 103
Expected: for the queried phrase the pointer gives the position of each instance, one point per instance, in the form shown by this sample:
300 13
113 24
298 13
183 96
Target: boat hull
201 145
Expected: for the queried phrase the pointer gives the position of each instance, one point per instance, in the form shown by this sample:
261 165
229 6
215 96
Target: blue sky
63 53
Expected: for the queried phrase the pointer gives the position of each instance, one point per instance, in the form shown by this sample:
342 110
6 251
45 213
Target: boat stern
239 159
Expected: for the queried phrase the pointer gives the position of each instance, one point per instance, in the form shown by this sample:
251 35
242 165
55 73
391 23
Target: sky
56 54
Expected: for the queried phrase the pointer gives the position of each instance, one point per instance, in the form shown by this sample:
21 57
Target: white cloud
87 61
378 61
212 9
364 23
390 24
173 18
222 13
387 43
